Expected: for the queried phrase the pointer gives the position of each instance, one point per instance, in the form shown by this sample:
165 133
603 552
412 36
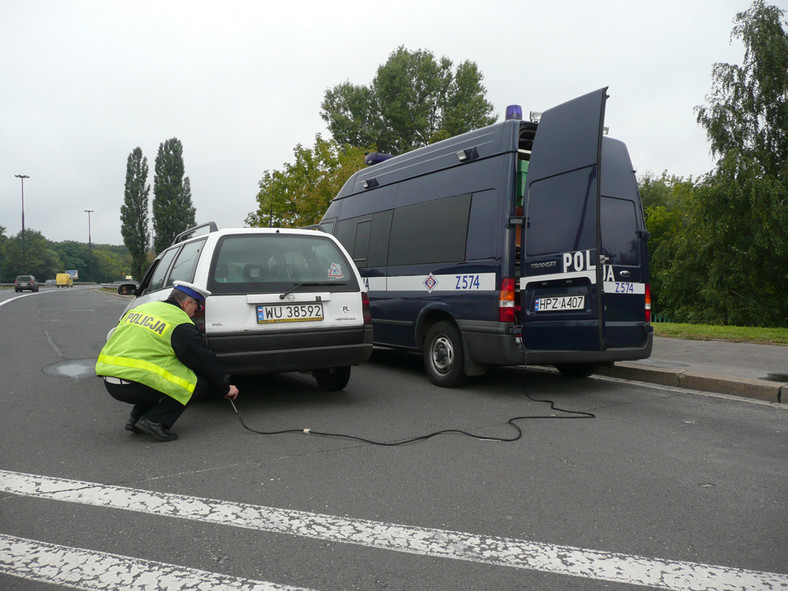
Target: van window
431 232
555 222
157 279
361 242
619 231
366 239
483 226
186 263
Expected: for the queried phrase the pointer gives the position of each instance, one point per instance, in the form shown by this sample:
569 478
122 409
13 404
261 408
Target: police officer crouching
158 360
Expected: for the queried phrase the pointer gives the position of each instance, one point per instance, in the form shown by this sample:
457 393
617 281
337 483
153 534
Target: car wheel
576 370
443 355
333 379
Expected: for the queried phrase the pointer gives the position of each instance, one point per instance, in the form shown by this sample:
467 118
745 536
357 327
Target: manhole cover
75 368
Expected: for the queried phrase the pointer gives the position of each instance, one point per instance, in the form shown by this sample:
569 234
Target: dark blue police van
522 242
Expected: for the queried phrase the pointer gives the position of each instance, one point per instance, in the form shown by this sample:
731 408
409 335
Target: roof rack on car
212 227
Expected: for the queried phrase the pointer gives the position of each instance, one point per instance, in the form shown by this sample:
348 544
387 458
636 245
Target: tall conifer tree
134 225
173 211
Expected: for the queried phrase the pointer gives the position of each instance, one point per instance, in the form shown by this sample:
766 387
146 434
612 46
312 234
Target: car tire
576 370
333 378
444 358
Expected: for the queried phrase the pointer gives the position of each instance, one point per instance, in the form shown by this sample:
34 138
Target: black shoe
131 425
156 430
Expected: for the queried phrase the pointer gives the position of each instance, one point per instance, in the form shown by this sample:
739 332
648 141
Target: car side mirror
127 289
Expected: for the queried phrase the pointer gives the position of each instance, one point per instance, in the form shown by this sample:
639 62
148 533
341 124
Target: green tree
413 100
299 194
108 265
134 226
665 201
72 255
738 219
748 105
173 211
37 256
350 112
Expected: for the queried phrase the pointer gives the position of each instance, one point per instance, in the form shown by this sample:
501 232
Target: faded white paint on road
508 552
100 571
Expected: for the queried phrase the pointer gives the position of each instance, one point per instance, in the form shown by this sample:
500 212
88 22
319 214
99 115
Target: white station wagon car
281 299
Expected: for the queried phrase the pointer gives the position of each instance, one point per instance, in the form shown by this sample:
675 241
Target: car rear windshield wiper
308 283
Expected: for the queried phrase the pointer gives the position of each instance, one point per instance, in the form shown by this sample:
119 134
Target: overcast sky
240 84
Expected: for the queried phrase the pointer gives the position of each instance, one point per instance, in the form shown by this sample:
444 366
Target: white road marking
78 568
509 552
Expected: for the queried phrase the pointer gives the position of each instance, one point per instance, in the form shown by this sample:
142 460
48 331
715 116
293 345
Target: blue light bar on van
514 112
376 158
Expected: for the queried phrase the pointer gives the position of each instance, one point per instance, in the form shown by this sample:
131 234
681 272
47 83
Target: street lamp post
90 246
22 177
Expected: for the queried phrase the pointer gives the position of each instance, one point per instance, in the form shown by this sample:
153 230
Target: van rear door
624 250
561 280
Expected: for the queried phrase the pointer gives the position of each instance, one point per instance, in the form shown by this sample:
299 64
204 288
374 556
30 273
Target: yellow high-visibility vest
140 350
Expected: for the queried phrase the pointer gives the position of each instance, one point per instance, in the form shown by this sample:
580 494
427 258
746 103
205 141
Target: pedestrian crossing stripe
436 543
79 568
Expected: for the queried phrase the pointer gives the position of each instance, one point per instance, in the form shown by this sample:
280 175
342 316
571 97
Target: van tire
443 355
576 370
333 378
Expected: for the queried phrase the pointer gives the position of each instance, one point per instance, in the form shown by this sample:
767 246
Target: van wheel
332 379
443 355
576 370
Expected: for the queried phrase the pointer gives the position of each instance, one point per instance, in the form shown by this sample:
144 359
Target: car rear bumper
291 351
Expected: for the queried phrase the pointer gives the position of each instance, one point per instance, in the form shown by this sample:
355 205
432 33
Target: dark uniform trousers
152 404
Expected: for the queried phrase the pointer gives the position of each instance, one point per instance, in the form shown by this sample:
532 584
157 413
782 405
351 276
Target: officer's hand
232 393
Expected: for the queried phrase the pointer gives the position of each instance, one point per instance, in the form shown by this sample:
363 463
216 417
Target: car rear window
256 263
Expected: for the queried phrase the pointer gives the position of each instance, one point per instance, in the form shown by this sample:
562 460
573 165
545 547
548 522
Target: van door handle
625 273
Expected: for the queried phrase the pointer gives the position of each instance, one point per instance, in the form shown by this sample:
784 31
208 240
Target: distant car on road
64 280
50 283
24 282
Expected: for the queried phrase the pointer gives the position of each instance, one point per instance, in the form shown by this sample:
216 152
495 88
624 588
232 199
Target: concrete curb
748 388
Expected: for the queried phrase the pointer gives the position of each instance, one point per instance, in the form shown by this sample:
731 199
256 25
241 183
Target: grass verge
739 334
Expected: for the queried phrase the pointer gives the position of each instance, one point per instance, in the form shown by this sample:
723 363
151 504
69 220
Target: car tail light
365 307
506 306
648 302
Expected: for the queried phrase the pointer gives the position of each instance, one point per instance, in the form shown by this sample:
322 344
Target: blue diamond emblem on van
430 283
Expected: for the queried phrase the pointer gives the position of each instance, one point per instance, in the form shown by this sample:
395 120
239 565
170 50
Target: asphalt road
664 488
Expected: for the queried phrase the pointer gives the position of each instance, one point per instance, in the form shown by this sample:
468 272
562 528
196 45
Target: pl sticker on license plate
560 303
289 313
